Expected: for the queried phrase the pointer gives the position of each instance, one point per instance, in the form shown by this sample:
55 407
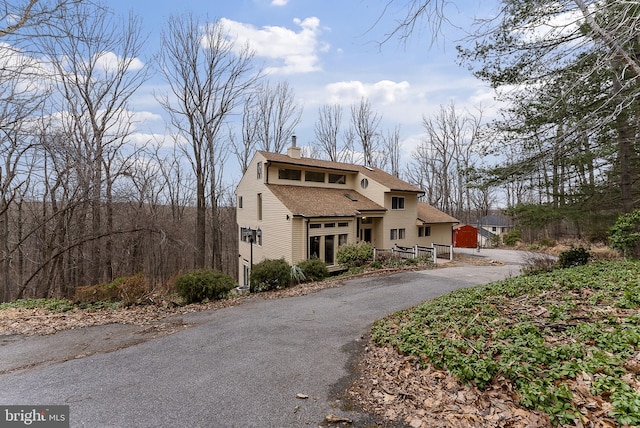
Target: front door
365 235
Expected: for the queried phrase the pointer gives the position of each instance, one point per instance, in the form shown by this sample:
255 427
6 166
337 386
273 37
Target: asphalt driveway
242 366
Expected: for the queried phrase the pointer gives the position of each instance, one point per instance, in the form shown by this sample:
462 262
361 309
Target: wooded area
84 200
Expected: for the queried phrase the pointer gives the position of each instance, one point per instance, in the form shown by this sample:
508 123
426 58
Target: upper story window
289 174
259 170
397 202
316 177
337 178
239 201
364 183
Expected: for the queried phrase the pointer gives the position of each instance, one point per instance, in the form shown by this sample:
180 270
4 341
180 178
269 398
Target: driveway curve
266 363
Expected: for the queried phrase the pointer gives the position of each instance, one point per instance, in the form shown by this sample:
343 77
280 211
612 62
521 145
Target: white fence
433 253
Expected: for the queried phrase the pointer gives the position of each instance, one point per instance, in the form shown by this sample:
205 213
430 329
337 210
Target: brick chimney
293 151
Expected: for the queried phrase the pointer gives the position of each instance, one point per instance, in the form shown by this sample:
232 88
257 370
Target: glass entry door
329 242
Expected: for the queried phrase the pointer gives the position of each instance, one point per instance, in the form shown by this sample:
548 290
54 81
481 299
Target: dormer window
316 177
289 174
337 178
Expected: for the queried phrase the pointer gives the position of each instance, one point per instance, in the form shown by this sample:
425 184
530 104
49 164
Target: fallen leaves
39 321
396 388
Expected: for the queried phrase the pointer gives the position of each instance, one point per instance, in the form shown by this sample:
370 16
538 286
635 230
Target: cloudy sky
329 51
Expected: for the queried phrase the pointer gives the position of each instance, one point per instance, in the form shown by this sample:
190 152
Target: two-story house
297 208
492 226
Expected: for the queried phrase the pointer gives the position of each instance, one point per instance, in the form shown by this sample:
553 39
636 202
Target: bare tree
365 123
327 129
429 13
15 176
348 151
25 19
443 161
391 144
21 100
207 80
272 116
95 56
245 147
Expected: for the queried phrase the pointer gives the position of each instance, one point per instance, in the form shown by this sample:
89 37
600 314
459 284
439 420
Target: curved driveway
242 366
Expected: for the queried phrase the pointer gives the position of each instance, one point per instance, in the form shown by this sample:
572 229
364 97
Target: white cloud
291 51
279 2
145 116
109 62
382 92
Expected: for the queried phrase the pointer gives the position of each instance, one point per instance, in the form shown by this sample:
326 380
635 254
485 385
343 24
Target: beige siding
276 229
400 219
441 233
299 237
277 241
374 191
248 189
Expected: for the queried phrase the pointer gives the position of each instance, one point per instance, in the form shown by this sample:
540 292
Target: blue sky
329 52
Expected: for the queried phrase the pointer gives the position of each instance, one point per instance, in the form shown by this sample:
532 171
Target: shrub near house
204 284
270 275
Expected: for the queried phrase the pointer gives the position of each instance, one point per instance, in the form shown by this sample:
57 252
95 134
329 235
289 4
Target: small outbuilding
465 236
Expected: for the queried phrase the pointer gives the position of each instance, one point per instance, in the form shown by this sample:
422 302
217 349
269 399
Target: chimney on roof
293 151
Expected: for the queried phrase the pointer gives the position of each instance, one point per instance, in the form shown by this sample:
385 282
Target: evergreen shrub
511 238
575 256
270 274
204 284
624 235
314 269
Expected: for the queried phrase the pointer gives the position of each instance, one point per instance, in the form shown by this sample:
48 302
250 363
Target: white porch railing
432 253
